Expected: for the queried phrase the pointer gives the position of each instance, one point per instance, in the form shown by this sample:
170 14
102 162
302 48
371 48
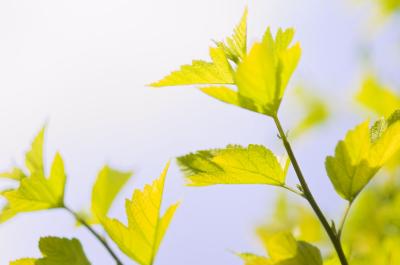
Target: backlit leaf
235 47
15 174
141 237
382 100
361 154
234 164
284 249
108 184
218 71
36 192
34 157
265 72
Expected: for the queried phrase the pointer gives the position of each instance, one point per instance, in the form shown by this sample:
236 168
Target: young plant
256 80
139 239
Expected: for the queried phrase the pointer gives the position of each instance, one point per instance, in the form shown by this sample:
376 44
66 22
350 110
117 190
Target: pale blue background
82 67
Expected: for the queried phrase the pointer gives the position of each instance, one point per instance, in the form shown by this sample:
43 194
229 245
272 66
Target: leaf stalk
95 234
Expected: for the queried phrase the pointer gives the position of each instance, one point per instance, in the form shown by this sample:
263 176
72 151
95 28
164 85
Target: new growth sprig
256 80
139 239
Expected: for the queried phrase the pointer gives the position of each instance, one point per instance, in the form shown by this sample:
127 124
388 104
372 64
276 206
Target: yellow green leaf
235 47
284 249
234 164
264 73
107 186
36 192
61 251
57 251
27 261
361 154
218 71
316 112
252 259
34 157
378 98
141 237
15 174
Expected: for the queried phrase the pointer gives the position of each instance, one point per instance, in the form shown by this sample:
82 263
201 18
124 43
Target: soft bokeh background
81 67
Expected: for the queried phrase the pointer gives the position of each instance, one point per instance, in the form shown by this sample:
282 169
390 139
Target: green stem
344 218
95 234
308 195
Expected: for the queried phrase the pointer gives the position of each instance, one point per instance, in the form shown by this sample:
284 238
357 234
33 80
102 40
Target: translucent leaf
252 259
218 71
295 218
34 157
361 154
26 261
264 73
107 186
57 251
235 47
37 192
283 249
142 236
381 100
316 112
15 174
234 164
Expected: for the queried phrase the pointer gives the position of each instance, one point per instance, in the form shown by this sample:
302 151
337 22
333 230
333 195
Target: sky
81 68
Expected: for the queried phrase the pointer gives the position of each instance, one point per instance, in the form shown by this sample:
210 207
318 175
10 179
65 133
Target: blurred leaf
201 72
295 218
107 186
316 112
233 165
15 174
361 154
37 192
141 238
57 251
283 249
252 259
34 157
26 261
381 100
235 47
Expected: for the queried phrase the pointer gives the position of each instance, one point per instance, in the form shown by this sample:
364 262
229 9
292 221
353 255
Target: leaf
283 249
57 251
295 218
107 186
37 192
235 47
382 100
361 154
264 73
252 259
27 261
61 251
15 174
234 164
142 236
218 71
316 112
34 157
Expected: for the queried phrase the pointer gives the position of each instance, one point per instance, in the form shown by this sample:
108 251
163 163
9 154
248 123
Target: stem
343 221
293 190
308 195
92 231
